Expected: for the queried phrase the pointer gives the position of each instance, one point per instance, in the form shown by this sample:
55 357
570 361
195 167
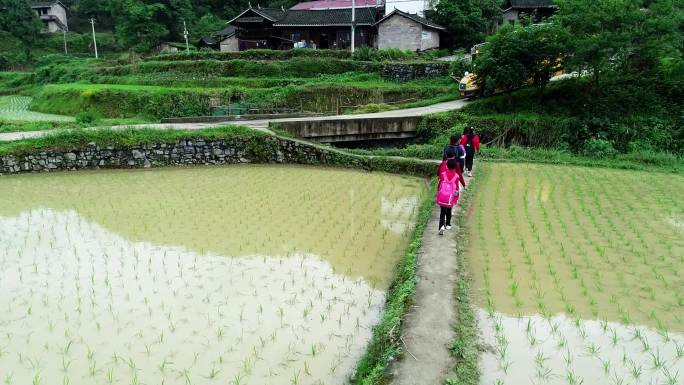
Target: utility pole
64 31
92 25
185 35
353 25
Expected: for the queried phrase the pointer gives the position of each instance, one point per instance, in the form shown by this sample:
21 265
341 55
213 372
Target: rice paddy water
579 275
227 275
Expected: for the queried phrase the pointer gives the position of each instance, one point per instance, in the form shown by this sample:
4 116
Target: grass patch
384 345
466 345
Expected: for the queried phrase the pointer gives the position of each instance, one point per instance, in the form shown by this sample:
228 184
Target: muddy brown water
226 275
579 275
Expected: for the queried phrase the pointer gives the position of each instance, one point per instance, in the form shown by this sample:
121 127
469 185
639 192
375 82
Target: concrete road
263 124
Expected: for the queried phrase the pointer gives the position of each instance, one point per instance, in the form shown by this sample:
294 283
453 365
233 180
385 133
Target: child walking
449 176
471 141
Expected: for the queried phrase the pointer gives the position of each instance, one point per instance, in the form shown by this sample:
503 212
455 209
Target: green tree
143 24
17 18
623 36
517 55
468 21
207 25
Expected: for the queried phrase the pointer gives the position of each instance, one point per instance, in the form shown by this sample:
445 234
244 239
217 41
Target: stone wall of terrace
405 72
266 149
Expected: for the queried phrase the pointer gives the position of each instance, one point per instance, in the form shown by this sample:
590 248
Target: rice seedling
572 246
182 292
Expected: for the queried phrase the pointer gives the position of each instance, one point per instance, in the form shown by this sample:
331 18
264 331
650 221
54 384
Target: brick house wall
406 34
400 32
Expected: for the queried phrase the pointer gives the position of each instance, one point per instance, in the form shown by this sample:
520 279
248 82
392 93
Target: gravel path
263 124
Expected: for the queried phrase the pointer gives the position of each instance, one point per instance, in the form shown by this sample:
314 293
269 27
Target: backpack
469 141
446 195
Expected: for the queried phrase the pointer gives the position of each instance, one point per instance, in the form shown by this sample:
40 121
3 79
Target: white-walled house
53 14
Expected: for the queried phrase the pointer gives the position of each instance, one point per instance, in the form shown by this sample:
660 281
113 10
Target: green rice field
16 108
205 275
579 275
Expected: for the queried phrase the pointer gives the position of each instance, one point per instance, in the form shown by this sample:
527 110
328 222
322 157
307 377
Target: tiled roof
526 4
328 17
414 17
43 4
310 17
271 14
332 4
226 32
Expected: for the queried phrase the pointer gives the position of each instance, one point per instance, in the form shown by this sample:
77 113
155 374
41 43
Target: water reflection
559 350
358 222
83 305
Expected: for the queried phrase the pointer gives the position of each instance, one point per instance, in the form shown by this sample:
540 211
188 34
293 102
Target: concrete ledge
346 130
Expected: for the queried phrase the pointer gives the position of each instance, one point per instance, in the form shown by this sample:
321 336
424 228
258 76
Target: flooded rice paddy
579 275
230 275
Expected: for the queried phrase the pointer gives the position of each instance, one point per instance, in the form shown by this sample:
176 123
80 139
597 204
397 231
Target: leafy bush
88 117
599 148
460 66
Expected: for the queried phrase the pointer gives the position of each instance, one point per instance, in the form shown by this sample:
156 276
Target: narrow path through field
428 329
263 124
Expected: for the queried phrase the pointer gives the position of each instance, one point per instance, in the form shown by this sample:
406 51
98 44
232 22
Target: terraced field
579 275
17 108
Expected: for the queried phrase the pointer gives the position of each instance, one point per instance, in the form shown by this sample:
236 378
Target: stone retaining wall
266 149
404 72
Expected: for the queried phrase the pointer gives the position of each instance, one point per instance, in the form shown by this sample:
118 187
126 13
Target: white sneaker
470 173
448 227
441 230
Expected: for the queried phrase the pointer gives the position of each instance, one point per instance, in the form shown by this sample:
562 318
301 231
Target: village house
408 32
52 14
311 28
326 24
537 10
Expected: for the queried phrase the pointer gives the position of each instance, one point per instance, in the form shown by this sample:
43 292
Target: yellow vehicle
470 86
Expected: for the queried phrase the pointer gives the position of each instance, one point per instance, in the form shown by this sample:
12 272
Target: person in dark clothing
460 154
471 141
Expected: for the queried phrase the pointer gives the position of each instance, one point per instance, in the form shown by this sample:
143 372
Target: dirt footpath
428 328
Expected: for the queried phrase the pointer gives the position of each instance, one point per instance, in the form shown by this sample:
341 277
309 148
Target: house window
295 36
511 22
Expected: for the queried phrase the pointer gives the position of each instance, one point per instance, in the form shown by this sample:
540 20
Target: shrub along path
428 329
263 124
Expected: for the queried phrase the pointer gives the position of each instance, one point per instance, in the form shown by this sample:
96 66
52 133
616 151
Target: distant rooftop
334 4
528 4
